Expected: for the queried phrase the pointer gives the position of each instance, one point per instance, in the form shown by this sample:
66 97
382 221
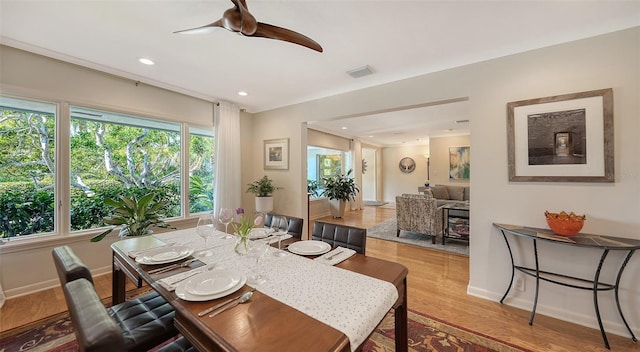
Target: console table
605 243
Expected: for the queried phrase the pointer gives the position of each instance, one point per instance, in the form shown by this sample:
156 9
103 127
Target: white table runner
347 301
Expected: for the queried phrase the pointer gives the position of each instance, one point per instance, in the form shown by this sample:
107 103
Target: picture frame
459 163
563 138
276 154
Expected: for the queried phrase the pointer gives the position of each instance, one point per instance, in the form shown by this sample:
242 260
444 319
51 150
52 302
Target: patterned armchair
418 213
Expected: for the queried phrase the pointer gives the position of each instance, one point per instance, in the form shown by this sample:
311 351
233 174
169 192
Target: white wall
369 185
26 265
605 61
395 182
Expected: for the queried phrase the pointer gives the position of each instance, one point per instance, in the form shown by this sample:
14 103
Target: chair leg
397 233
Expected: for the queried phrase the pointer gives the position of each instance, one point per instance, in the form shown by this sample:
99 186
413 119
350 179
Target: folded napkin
170 283
337 255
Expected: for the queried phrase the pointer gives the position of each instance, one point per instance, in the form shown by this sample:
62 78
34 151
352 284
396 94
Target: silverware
172 267
209 310
333 255
243 299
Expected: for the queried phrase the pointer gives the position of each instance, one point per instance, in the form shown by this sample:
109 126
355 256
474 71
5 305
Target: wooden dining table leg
402 321
118 283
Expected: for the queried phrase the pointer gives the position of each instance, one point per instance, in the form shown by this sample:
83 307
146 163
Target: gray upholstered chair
294 224
340 235
418 213
138 325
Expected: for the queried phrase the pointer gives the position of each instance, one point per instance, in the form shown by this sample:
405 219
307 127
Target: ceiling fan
238 19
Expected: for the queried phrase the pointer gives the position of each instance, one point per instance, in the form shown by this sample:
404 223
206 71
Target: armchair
418 213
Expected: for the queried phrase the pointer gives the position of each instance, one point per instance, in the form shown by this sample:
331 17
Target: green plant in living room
135 216
313 188
263 187
339 189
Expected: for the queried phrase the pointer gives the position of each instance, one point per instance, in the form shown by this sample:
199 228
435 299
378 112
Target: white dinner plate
311 247
214 282
164 255
258 233
184 293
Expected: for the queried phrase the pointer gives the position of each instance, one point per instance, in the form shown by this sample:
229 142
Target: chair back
340 235
95 330
69 266
294 224
417 213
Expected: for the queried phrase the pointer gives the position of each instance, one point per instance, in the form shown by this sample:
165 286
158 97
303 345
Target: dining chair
340 235
97 331
294 224
142 323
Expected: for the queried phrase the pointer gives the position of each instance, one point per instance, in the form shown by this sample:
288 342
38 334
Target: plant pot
337 207
264 204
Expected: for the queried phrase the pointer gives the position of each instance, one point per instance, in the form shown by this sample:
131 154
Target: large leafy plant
340 187
135 216
262 188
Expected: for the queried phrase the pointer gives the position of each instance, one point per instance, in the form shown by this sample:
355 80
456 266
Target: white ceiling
397 39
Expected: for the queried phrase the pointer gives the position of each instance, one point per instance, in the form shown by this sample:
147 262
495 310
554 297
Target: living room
604 61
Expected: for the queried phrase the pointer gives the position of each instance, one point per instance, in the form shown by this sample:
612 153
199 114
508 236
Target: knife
208 310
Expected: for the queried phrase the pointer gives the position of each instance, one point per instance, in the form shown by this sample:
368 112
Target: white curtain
228 185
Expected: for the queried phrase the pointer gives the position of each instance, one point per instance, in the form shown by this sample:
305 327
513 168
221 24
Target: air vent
360 72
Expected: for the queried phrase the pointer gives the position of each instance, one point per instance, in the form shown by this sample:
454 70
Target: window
114 154
324 162
201 169
27 167
104 154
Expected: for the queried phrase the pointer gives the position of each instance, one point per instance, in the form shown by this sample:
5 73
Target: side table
604 243
455 226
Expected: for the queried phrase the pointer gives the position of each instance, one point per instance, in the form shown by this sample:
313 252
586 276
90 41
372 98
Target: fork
172 267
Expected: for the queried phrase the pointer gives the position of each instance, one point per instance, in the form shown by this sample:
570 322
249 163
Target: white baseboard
47 284
590 321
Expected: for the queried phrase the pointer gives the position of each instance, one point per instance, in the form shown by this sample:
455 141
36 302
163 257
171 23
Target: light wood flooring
437 284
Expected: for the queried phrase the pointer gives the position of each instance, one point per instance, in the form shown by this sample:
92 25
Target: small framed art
276 154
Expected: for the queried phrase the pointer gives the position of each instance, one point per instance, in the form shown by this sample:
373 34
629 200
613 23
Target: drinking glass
226 217
258 250
279 226
205 228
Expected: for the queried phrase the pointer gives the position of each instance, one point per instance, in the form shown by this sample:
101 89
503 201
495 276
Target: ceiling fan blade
211 27
273 32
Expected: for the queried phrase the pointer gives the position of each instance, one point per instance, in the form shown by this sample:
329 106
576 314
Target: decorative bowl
564 224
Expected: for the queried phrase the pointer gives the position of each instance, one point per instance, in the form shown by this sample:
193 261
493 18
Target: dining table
330 301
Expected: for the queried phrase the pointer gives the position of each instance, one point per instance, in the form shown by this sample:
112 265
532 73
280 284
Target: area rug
55 334
387 231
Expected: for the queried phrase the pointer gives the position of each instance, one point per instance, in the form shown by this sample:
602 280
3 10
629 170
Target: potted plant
339 189
135 216
263 190
313 188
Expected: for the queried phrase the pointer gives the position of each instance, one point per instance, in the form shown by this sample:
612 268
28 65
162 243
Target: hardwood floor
437 284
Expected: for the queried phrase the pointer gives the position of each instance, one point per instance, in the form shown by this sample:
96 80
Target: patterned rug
387 231
55 334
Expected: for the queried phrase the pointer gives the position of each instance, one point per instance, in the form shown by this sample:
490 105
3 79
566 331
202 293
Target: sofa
418 213
447 194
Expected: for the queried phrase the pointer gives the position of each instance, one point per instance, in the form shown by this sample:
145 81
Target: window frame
62 197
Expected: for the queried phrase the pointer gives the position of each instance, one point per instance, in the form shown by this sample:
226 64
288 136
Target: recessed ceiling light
244 94
343 128
146 61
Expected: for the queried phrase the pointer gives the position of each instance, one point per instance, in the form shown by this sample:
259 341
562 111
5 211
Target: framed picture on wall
459 163
276 154
564 138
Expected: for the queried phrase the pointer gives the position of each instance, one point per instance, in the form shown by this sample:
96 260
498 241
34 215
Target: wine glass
258 250
226 217
205 228
279 226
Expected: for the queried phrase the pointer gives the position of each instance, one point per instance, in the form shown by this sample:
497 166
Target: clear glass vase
243 245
